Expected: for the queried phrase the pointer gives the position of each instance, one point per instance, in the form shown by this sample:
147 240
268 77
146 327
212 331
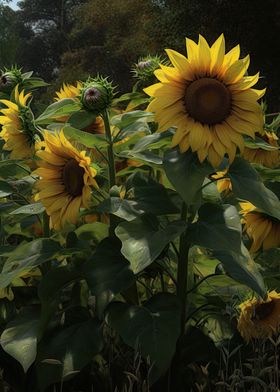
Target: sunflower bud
144 69
10 78
97 95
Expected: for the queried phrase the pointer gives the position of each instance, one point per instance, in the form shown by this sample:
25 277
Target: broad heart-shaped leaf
124 120
49 289
64 107
147 157
13 169
107 269
151 329
87 139
81 119
242 268
247 185
19 339
5 189
27 256
148 196
218 227
29 209
154 141
67 351
186 174
143 242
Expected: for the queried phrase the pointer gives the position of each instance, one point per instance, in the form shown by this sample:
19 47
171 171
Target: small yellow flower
263 229
66 178
208 98
268 158
18 131
259 319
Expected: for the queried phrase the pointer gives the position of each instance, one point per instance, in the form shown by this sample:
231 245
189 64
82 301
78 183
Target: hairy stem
111 167
182 270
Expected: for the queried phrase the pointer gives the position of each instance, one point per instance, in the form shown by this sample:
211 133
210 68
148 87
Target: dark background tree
63 40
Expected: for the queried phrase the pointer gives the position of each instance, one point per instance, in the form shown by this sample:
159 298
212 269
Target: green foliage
146 328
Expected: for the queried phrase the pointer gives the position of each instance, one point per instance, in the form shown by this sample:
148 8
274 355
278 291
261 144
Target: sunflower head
262 229
266 157
208 98
66 179
18 131
259 319
97 95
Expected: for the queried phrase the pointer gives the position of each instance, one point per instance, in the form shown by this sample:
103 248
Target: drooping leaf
154 141
242 268
125 119
151 329
29 209
218 227
64 107
186 174
5 189
92 231
67 351
49 291
143 242
247 185
13 169
81 119
85 138
19 339
107 270
27 256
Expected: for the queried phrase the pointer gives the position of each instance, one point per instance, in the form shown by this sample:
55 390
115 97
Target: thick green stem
111 168
110 151
182 270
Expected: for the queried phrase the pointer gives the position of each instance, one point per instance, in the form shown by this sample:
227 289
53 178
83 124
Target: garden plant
140 233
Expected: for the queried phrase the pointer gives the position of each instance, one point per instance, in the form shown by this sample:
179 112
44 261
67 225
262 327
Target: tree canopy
70 39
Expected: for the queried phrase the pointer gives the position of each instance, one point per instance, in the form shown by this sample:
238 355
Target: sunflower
224 184
66 177
263 229
268 158
69 91
208 98
259 318
18 129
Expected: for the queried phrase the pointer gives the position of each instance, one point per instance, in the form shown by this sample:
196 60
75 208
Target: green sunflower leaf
186 174
65 352
28 256
143 240
146 328
218 228
85 138
64 107
247 185
19 339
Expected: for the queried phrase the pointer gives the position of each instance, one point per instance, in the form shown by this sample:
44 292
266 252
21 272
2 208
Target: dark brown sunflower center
208 101
73 178
262 311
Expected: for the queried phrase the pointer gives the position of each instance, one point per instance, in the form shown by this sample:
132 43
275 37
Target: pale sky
13 5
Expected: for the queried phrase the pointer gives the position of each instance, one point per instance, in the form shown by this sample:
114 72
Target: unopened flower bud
97 95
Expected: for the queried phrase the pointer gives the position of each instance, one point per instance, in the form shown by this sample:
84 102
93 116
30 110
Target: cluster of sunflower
206 99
